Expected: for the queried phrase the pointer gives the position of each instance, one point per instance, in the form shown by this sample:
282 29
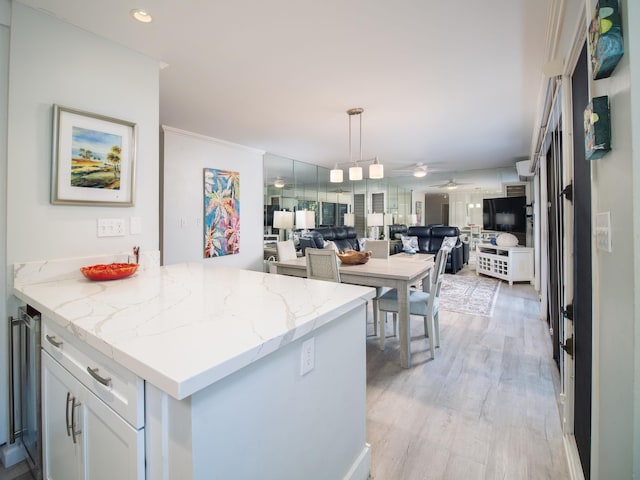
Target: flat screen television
505 214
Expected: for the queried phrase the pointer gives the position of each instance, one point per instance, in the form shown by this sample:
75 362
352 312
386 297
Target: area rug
469 293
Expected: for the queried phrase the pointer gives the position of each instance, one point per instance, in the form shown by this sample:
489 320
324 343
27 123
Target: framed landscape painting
221 213
93 159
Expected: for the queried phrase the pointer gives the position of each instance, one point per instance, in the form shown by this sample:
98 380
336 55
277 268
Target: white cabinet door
62 458
112 448
106 447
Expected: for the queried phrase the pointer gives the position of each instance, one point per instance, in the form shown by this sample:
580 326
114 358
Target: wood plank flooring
485 408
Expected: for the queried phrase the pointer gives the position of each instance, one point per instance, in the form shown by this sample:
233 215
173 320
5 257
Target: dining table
399 271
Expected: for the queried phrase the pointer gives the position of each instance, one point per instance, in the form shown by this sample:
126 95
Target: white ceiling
451 84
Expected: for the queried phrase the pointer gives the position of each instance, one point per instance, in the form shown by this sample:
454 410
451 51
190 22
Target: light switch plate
603 231
110 227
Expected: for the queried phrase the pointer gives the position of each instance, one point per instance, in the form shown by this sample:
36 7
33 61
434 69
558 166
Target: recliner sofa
345 238
430 240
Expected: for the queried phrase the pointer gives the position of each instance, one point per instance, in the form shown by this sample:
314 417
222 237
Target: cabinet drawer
113 384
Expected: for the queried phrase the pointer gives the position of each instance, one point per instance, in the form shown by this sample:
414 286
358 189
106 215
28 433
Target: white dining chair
378 248
421 303
322 264
286 250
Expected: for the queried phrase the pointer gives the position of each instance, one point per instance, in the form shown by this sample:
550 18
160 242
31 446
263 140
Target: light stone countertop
183 327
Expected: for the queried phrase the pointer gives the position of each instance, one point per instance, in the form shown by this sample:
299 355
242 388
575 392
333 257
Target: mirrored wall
291 185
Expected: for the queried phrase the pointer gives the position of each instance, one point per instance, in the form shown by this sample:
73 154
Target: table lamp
305 219
374 221
283 220
349 220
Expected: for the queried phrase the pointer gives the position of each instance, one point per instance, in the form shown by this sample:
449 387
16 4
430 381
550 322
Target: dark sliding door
556 223
582 268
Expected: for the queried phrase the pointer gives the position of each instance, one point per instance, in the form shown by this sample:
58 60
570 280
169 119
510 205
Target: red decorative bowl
110 271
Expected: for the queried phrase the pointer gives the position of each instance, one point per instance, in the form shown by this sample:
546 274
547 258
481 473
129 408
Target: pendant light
336 175
376 170
355 172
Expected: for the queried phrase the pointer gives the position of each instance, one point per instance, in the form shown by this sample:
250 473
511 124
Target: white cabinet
513 264
84 437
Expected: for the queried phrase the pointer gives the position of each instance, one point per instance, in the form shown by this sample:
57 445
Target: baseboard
12 454
573 458
362 466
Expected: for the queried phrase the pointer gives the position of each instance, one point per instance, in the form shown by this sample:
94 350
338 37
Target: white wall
613 328
633 9
185 155
50 63
5 14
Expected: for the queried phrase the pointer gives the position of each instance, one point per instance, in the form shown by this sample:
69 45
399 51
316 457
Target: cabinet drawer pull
74 432
52 340
106 381
66 415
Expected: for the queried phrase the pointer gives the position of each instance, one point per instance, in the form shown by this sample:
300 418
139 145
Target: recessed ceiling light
141 15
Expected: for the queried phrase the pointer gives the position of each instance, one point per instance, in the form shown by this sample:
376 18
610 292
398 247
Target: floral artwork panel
221 213
606 45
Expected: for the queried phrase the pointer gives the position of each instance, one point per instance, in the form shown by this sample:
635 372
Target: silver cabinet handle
106 381
74 432
66 414
52 340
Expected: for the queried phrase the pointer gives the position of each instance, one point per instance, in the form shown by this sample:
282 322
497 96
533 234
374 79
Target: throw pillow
449 242
330 244
409 244
361 243
507 240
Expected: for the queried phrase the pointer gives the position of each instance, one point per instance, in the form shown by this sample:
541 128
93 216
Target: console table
513 264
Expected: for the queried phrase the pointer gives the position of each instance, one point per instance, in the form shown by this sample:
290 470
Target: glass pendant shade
336 175
355 173
376 170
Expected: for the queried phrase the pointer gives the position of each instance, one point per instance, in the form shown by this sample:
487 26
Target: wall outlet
110 227
307 358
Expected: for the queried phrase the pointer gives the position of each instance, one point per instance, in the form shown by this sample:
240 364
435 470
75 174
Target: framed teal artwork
605 38
597 128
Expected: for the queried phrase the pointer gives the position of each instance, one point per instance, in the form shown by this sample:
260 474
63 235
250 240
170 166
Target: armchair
430 240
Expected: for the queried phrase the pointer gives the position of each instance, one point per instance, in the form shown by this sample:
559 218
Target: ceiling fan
450 185
279 182
418 170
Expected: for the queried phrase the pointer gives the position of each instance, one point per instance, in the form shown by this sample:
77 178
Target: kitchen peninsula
206 366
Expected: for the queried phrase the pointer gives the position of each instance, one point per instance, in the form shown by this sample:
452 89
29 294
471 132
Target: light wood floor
485 408
16 472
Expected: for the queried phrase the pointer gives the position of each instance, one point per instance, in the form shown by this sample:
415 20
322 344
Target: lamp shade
412 219
349 220
282 219
355 173
336 175
375 219
388 219
376 170
305 219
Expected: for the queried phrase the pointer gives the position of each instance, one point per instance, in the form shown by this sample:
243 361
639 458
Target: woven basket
352 257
